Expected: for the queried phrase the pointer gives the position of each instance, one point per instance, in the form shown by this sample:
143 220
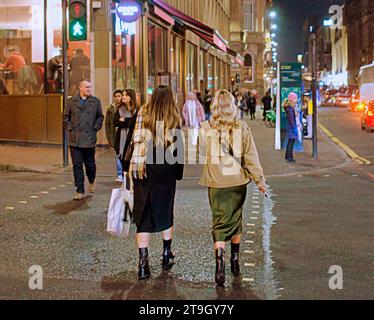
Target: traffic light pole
314 96
65 79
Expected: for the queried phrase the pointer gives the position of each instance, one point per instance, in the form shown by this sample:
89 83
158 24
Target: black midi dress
154 196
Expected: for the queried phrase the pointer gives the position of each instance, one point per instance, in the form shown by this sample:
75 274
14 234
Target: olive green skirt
227 208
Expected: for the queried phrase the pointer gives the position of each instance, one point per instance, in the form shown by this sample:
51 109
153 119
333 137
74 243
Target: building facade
250 37
359 21
130 44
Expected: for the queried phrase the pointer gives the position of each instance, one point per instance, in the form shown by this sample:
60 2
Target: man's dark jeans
79 157
290 146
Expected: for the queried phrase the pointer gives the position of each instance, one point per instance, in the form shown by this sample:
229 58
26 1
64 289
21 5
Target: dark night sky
290 20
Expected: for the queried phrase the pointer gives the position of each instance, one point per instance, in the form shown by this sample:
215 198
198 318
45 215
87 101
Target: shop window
211 72
203 71
176 64
21 47
157 44
191 67
54 47
125 54
248 68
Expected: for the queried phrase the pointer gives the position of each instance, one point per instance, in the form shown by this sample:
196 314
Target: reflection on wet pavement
69 206
165 286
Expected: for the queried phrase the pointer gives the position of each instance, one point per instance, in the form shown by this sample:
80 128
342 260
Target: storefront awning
182 17
203 31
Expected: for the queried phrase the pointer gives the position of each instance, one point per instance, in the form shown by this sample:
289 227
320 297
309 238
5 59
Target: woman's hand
122 119
261 186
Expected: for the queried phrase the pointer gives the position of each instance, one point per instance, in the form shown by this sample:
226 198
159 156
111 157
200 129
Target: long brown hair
133 102
162 107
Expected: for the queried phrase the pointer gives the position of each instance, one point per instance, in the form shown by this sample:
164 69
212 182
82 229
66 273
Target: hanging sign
128 11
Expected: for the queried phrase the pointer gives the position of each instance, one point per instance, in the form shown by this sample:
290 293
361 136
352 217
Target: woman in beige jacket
231 162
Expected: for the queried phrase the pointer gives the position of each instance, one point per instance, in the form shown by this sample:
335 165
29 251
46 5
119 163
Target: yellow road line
353 155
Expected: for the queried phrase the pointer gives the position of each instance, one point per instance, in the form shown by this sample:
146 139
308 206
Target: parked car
367 119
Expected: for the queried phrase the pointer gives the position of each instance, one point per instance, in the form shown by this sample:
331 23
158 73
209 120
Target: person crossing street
83 118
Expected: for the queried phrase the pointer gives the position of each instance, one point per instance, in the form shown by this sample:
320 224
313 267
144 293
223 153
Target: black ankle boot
144 272
167 256
235 269
220 266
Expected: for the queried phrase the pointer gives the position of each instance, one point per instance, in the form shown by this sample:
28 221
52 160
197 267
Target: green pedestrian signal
78 20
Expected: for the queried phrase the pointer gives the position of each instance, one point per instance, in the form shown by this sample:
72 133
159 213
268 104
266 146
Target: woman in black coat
155 185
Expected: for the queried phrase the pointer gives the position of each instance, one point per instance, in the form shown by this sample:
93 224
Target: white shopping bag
120 211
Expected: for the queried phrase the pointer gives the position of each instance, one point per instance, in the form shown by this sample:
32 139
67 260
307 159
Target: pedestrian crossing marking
246 264
251 232
62 186
248 279
253 218
34 197
44 192
256 207
249 241
251 225
249 251
22 202
53 188
255 212
9 208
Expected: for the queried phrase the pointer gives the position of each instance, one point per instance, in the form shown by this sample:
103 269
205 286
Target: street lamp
273 27
314 94
272 14
273 35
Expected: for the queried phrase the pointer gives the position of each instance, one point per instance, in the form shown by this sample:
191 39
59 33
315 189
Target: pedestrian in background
110 129
241 103
122 121
252 104
83 118
229 167
155 183
289 106
198 95
194 115
207 102
266 101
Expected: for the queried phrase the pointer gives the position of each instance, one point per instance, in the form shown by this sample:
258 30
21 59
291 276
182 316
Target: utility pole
314 94
65 97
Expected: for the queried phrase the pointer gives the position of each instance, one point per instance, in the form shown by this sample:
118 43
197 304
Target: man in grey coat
83 118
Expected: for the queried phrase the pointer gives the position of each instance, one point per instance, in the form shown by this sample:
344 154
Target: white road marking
251 225
256 207
69 182
253 218
251 232
255 212
62 186
34 197
53 188
44 192
249 241
9 208
248 279
22 202
249 251
246 264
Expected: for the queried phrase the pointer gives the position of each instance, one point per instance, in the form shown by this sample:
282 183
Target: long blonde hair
162 107
225 114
